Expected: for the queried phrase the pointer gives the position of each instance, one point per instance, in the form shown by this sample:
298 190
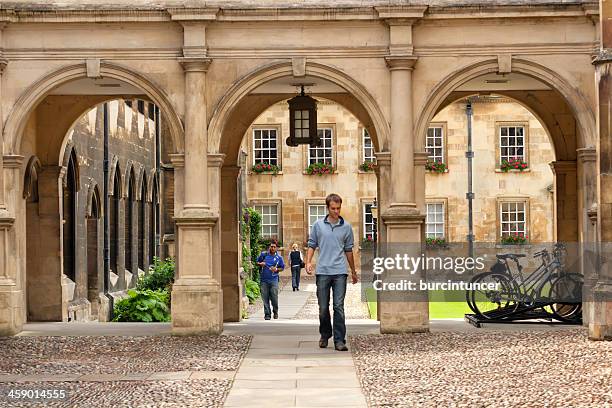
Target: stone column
600 324
420 159
383 187
566 198
402 311
230 245
587 193
196 294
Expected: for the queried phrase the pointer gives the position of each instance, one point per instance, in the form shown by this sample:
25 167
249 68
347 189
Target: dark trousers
337 284
295 276
269 294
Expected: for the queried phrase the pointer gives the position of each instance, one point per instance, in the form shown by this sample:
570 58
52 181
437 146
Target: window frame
306 148
279 214
444 202
307 203
498 126
444 127
362 213
279 144
363 131
512 199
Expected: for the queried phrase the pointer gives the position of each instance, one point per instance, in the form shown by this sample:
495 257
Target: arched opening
129 228
142 220
236 116
114 226
95 273
69 218
153 221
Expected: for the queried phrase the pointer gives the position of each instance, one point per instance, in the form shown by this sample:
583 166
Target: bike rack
522 315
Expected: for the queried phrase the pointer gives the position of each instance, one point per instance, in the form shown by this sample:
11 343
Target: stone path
285 367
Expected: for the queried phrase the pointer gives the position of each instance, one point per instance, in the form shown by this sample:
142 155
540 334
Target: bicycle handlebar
511 256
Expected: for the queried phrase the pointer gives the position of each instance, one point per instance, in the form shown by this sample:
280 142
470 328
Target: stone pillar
566 198
405 311
587 193
196 294
600 324
383 188
230 245
12 301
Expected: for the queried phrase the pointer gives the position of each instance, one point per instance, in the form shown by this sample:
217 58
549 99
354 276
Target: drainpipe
158 170
469 154
106 218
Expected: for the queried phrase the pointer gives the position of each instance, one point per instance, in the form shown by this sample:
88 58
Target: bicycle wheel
566 291
497 302
468 293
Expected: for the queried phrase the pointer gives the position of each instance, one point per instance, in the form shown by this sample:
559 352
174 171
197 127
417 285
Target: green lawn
442 305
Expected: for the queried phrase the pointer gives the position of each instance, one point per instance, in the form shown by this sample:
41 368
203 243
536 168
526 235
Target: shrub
435 166
143 306
319 169
265 168
252 290
514 163
367 166
160 276
514 239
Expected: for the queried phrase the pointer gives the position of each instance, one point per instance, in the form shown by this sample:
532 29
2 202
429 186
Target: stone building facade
213 67
72 202
291 200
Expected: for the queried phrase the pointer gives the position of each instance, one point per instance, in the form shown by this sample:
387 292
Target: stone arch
70 154
35 93
93 199
141 180
32 171
218 143
585 117
129 178
114 168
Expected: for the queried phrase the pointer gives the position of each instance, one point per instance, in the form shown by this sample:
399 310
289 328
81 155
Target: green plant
367 166
319 169
517 238
252 221
514 163
160 276
143 306
368 242
431 242
265 168
252 290
435 166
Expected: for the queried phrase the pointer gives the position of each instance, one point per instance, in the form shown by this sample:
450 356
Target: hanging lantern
303 121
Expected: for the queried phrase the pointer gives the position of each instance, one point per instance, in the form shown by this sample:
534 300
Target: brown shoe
323 342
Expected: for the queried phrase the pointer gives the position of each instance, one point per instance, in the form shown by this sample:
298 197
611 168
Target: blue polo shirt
333 241
271 260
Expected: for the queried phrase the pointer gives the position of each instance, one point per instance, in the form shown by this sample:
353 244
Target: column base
600 325
11 313
196 307
404 317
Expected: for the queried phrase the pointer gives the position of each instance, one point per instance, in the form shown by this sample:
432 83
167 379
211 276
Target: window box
432 243
319 169
260 168
368 242
514 163
514 239
367 166
436 167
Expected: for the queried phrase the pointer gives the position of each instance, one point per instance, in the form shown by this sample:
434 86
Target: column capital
177 160
216 159
400 15
3 64
12 161
587 154
563 166
383 159
187 219
6 219
420 158
195 64
401 62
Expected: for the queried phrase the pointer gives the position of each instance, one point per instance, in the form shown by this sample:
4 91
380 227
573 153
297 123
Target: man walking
334 238
271 264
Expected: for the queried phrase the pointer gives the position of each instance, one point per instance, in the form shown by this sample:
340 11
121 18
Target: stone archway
21 138
232 117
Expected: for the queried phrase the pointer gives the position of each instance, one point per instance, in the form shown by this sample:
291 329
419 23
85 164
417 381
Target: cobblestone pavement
485 369
122 371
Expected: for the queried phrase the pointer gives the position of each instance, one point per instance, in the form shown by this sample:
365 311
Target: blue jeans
336 283
269 293
295 276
